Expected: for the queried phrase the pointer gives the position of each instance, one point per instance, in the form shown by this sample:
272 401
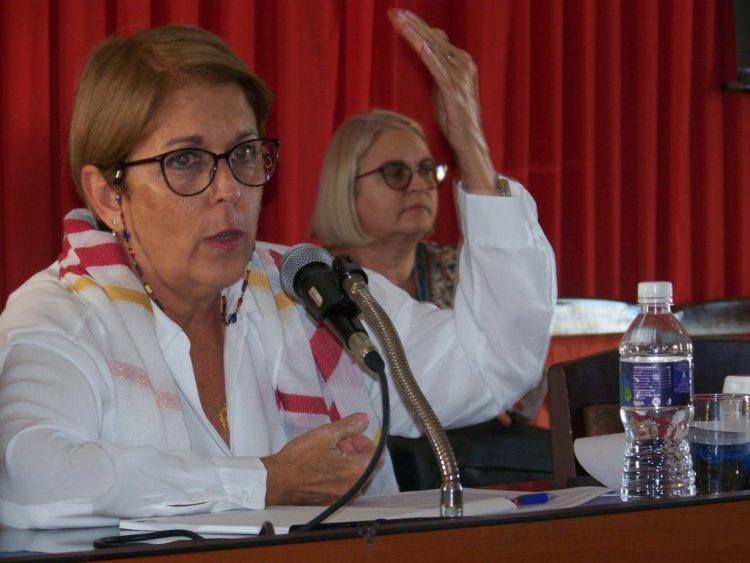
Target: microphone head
296 258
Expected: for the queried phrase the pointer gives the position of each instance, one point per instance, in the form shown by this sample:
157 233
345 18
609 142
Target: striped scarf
314 381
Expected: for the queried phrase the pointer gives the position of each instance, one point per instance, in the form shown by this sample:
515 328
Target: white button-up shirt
60 467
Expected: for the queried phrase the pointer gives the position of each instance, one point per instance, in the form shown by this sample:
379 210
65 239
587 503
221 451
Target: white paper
415 504
736 384
601 457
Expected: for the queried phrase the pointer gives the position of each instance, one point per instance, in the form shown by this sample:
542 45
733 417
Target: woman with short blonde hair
128 77
335 222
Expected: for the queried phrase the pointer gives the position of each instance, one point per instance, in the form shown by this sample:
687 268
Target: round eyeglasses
397 174
189 171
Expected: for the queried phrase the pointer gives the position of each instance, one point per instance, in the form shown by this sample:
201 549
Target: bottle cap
654 291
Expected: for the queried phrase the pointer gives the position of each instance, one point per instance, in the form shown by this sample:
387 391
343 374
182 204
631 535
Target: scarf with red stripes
314 380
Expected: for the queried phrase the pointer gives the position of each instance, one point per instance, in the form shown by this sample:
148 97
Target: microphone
307 277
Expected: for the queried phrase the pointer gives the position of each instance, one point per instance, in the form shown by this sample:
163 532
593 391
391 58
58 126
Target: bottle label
657 384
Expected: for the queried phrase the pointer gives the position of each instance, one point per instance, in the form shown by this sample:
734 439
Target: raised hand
456 97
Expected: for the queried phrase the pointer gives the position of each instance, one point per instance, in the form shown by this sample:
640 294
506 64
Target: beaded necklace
125 238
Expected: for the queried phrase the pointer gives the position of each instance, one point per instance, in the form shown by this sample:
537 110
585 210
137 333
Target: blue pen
531 498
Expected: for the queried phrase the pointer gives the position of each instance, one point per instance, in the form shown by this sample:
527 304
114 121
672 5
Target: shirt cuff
244 481
497 222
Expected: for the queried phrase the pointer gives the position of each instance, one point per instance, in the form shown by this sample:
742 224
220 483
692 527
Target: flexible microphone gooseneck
354 282
307 276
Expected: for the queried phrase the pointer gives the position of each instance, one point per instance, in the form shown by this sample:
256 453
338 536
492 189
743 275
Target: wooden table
698 529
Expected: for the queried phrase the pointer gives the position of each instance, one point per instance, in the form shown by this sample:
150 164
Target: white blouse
61 469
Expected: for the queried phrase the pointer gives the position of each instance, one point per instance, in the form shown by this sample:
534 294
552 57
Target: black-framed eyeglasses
190 171
397 174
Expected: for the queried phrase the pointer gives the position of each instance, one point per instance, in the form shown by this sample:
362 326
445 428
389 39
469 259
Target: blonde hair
335 221
126 78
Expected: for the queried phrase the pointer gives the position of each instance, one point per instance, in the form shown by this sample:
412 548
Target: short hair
335 221
126 78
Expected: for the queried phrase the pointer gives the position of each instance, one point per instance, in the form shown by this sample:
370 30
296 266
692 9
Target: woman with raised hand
377 201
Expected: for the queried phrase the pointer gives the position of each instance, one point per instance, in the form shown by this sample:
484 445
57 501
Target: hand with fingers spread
321 465
457 110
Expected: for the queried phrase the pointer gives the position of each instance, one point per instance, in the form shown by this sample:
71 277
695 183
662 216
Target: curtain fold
610 112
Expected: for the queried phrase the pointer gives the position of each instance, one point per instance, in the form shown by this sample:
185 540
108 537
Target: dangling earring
125 238
114 227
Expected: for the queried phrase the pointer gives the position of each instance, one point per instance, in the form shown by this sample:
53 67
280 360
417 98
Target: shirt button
245 497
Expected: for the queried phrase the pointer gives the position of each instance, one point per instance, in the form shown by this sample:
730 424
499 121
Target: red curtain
609 111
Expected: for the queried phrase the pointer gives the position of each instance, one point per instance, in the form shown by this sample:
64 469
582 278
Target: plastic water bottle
656 399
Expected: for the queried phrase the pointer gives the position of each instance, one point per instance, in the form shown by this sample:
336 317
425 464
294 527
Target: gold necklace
223 420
